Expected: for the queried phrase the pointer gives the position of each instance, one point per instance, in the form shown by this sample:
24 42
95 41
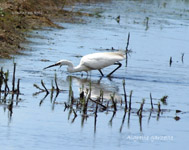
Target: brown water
45 124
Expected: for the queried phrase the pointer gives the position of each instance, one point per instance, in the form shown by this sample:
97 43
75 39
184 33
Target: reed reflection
92 97
98 89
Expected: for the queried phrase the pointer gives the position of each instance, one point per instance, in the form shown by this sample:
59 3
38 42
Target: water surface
45 124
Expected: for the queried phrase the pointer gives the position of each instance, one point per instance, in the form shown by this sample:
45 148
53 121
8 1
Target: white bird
95 61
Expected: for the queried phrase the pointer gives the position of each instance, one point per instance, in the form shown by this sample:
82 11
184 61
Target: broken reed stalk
40 103
104 107
125 95
128 38
52 89
5 96
151 101
111 120
96 109
159 110
140 123
164 100
86 103
123 120
90 88
75 114
159 107
13 78
55 79
77 105
147 23
18 91
139 112
81 96
121 102
95 117
114 103
70 87
4 77
128 120
52 94
102 95
42 83
18 87
36 86
170 61
149 116
131 92
66 106
57 93
107 105
72 97
182 58
1 79
10 107
6 74
126 50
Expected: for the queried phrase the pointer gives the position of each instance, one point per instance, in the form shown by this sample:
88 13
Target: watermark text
152 138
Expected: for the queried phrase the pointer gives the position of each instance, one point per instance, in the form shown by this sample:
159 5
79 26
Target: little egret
95 61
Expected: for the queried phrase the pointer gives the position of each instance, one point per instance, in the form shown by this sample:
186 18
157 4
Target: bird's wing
101 60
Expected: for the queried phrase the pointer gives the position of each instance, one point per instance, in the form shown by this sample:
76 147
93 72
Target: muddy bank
19 16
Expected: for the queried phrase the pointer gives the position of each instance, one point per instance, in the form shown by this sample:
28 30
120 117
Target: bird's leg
116 63
100 72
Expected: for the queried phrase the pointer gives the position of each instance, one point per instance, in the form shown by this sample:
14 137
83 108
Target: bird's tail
122 53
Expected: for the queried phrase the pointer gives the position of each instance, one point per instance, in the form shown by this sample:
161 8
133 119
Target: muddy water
39 123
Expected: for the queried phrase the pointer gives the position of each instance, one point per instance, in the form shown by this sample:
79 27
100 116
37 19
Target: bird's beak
57 64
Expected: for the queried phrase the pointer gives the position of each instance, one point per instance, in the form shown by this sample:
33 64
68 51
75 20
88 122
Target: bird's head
61 63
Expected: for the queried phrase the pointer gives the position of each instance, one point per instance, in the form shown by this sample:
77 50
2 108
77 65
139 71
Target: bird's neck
71 67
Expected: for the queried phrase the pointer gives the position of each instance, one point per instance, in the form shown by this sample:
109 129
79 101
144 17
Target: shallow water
38 123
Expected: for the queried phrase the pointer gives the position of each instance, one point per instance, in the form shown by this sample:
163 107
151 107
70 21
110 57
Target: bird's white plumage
95 61
101 60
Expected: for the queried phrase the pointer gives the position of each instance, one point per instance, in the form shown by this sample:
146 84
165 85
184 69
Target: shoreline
21 16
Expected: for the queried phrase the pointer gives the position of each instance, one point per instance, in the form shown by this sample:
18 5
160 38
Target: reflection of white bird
95 61
97 87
